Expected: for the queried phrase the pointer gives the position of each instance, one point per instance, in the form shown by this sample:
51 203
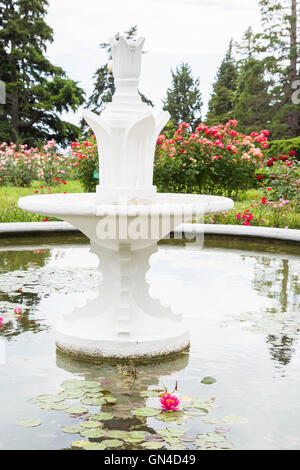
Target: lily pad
71 429
74 394
72 383
168 416
30 423
93 401
91 424
51 398
101 416
153 445
112 443
59 406
77 410
79 444
146 412
150 393
92 433
208 380
91 384
94 395
117 434
94 446
109 399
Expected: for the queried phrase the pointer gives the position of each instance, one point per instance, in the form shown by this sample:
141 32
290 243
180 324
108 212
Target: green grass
263 215
9 195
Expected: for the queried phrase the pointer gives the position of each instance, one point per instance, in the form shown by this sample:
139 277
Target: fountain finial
127 57
126 132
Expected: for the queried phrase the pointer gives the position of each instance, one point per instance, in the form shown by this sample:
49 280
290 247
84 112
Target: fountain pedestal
123 320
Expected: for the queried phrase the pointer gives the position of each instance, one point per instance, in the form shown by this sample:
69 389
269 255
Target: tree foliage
184 99
221 104
36 90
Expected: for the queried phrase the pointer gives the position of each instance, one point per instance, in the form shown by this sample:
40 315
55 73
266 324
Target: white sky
193 31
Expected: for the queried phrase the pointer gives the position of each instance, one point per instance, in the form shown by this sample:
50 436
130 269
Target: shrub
85 161
214 160
284 148
282 176
20 165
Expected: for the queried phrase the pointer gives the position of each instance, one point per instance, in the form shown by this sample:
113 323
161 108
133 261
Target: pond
240 300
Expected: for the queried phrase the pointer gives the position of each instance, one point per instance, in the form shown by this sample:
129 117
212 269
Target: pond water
241 302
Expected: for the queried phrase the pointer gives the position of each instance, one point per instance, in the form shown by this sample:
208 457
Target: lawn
249 208
9 195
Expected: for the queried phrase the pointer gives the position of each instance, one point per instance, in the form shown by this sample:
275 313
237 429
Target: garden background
246 146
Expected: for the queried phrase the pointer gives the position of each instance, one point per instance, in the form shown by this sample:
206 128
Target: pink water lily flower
169 402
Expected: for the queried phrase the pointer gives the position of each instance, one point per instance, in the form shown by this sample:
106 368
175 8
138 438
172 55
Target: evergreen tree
253 102
279 44
184 99
103 79
221 104
36 91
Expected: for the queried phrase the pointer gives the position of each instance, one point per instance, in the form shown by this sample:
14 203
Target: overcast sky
194 31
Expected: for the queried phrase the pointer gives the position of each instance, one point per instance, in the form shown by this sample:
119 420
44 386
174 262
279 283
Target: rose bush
20 165
282 175
85 162
211 160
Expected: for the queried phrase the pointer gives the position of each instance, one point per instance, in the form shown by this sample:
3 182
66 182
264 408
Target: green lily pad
153 445
101 416
77 410
117 434
168 416
208 380
79 444
93 401
94 446
94 395
150 393
73 383
71 429
30 423
146 412
91 424
51 398
59 406
45 406
112 443
92 433
137 434
176 447
110 400
91 384
74 394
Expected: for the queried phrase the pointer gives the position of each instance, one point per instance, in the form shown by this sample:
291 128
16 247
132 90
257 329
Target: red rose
292 153
259 177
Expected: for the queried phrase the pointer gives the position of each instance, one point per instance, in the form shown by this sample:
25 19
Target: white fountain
124 221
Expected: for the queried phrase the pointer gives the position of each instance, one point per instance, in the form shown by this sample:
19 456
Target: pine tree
184 99
36 91
221 104
253 102
103 80
280 48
